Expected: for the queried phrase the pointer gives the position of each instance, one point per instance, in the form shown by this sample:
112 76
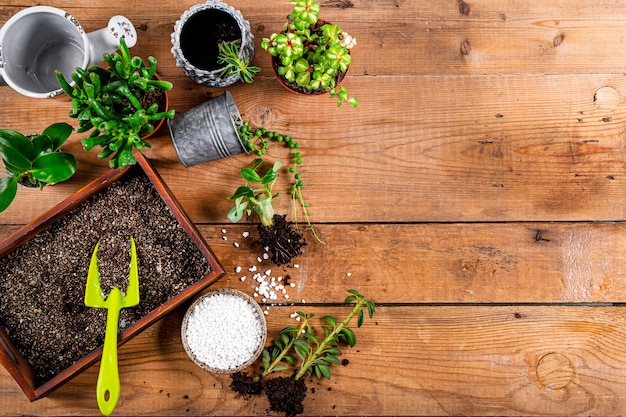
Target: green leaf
243 191
371 308
265 359
330 320
16 149
332 359
58 132
279 368
325 370
348 336
8 190
43 144
54 167
333 351
269 177
290 360
250 175
360 318
302 348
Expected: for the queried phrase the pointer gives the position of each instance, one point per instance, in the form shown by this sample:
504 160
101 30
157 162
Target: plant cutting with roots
256 196
315 356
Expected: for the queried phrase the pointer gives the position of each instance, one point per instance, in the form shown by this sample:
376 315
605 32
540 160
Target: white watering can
38 40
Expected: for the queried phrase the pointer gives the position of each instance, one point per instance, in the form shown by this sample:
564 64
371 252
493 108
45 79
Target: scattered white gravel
224 331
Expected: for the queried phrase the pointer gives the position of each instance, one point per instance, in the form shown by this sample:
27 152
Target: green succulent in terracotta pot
309 55
121 105
34 160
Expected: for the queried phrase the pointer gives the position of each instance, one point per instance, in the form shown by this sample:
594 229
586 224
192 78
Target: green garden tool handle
108 386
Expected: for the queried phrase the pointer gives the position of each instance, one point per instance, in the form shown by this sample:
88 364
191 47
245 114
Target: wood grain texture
435 361
477 194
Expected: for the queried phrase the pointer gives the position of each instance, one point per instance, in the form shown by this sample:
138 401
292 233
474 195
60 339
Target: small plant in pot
212 43
121 105
34 160
309 55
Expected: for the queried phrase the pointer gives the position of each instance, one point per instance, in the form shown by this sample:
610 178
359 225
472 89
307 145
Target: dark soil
43 281
282 240
286 394
244 385
202 35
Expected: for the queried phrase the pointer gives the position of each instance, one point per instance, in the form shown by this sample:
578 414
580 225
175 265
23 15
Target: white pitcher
38 40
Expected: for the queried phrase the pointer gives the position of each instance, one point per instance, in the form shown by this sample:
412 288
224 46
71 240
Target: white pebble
303 301
287 296
242 279
245 234
236 244
292 285
259 259
296 266
223 331
223 230
349 274
224 238
268 272
252 268
237 269
266 256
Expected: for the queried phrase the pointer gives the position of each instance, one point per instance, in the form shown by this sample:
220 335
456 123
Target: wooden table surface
476 194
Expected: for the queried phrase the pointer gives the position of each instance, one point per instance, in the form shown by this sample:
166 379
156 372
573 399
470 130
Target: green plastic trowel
108 386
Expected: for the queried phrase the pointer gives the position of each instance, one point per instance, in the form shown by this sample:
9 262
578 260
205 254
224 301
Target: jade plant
234 64
35 160
312 54
120 104
304 351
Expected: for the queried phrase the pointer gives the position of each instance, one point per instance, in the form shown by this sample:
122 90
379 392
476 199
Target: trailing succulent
301 349
108 101
34 159
312 54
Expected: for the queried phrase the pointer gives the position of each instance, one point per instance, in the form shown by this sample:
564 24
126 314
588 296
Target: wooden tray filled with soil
47 335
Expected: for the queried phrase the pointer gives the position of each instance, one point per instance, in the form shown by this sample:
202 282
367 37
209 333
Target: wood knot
606 98
260 116
464 8
555 371
466 48
558 40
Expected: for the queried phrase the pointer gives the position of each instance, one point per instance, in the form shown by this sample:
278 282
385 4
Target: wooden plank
503 360
479 148
399 37
438 263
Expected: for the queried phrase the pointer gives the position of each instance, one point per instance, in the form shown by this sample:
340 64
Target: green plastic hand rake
108 386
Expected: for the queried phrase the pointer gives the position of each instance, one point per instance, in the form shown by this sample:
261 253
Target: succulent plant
112 103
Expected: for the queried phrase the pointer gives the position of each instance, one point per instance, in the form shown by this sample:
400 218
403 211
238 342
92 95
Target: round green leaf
58 132
16 149
8 190
54 167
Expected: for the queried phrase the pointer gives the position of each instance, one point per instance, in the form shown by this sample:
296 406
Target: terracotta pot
10 356
297 89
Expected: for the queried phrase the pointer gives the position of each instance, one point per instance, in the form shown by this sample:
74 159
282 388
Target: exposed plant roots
282 239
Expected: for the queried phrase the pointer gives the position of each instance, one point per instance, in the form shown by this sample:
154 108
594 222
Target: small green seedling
235 65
